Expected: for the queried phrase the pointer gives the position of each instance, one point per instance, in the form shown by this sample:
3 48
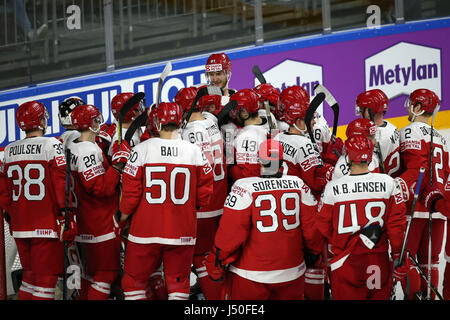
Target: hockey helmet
361 126
82 117
185 97
359 148
427 99
66 107
168 113
374 99
210 103
247 100
118 102
218 62
30 114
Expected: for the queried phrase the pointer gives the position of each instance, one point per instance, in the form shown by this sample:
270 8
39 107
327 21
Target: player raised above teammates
97 190
374 104
266 226
165 182
33 170
415 151
362 215
218 72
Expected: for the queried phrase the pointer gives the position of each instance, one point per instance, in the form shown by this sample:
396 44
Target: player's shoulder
83 147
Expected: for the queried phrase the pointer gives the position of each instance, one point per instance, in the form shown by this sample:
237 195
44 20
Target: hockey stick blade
136 124
331 100
162 77
315 103
258 74
222 116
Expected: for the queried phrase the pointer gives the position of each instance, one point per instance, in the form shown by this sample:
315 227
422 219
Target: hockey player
116 105
436 201
361 215
254 131
97 190
33 193
268 94
218 72
376 102
206 134
363 127
64 110
165 182
415 147
266 227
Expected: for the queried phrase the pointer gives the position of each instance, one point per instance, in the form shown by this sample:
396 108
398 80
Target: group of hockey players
232 188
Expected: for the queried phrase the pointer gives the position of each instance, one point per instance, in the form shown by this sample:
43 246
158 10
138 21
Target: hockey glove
121 153
72 230
215 266
400 270
333 152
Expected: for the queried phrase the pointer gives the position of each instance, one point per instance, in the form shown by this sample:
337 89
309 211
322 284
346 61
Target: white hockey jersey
388 137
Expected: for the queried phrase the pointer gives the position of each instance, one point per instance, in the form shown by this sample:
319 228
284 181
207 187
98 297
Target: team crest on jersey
446 188
93 172
309 163
207 168
130 169
60 160
410 144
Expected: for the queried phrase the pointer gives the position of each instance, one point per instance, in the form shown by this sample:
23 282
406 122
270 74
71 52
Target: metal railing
43 40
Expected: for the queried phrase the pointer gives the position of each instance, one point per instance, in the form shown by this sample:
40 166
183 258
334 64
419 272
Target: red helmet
206 102
82 116
119 100
361 126
270 150
293 111
168 113
66 107
374 99
359 149
151 121
247 99
427 98
218 62
185 97
290 96
269 93
29 115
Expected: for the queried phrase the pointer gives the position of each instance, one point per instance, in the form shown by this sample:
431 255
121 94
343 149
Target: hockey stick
66 222
258 74
329 98
377 146
222 116
162 77
315 103
124 110
136 124
430 220
203 91
422 273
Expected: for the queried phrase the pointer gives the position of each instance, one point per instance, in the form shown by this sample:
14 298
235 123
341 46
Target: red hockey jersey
353 202
415 142
97 192
270 220
300 159
206 135
388 137
163 184
33 192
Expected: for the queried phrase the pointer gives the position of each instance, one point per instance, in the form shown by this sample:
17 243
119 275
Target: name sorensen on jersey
275 185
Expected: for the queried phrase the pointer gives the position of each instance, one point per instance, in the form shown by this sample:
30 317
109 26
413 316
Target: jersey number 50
151 181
